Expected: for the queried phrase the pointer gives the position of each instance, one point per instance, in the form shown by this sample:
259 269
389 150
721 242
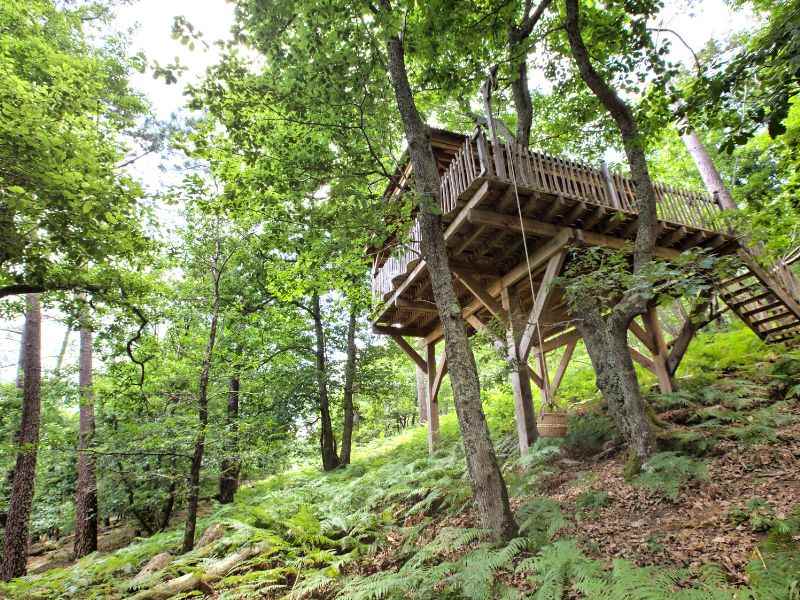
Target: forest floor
716 515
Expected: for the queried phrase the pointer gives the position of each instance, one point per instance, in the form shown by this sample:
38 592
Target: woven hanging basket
552 424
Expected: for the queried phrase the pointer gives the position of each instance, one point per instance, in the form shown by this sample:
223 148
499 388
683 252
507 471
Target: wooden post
520 374
422 393
433 402
611 189
547 397
660 353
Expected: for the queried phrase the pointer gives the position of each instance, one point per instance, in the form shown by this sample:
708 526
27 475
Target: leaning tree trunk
605 336
86 492
708 170
62 352
202 416
231 463
488 485
349 381
327 441
15 543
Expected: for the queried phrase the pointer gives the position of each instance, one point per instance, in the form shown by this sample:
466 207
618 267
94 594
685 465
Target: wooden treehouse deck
484 188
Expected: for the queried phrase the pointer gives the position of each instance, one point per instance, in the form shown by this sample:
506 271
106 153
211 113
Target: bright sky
696 20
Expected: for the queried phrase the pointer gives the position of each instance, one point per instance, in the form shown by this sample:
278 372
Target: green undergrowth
400 524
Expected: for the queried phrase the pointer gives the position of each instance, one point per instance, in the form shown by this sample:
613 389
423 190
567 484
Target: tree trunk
349 381
422 394
607 344
708 171
202 415
169 503
229 473
15 543
86 492
62 352
518 54
326 439
488 485
606 335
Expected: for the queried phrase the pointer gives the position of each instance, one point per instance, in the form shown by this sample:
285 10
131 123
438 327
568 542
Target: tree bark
229 473
202 413
349 381
605 336
488 485
86 492
326 439
708 171
607 344
15 543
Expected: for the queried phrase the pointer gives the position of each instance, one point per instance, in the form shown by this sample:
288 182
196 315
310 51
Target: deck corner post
611 189
520 374
432 398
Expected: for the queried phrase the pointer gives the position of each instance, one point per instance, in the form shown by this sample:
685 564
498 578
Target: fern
540 519
667 472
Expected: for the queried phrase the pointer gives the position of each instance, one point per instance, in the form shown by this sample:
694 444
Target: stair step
771 318
766 307
783 327
784 338
741 277
736 292
766 294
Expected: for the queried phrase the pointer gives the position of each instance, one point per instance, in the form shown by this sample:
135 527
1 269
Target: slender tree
349 380
216 267
86 487
327 440
488 485
15 543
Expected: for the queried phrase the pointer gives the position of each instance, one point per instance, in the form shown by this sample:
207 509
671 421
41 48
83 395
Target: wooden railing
478 158
397 263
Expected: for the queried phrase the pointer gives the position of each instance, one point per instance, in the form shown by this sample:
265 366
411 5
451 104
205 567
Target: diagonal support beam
562 366
413 354
661 355
482 294
553 267
441 371
642 359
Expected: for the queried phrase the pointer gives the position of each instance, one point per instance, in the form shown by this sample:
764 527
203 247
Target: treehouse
510 215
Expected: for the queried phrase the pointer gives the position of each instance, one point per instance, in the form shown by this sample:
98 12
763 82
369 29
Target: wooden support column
433 401
545 388
422 394
562 366
520 375
661 353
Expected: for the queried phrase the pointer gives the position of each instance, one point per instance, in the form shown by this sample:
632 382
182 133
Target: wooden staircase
766 300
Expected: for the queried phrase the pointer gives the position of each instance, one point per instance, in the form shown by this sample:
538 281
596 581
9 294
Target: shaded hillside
716 515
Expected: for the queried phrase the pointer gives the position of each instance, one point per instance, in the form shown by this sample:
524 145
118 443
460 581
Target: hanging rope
543 360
